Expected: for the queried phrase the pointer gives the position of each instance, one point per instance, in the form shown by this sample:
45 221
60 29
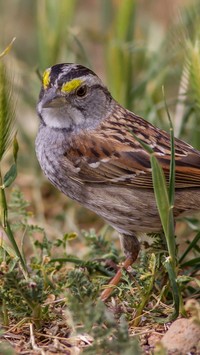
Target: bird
88 146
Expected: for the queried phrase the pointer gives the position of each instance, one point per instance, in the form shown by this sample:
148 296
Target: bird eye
81 91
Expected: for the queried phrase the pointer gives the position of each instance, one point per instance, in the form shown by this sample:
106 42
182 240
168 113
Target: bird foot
115 280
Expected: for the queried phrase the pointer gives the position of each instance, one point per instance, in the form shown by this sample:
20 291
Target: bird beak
53 99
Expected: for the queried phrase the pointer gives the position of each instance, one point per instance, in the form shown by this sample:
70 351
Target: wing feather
114 157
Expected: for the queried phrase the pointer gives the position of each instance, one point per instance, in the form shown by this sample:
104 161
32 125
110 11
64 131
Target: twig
32 340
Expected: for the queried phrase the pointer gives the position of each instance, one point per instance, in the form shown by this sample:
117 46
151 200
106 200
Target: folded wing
114 156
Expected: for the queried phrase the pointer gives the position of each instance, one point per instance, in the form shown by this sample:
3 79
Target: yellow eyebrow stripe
46 78
71 85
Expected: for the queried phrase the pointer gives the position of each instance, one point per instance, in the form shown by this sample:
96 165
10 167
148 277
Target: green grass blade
190 247
176 292
164 198
15 246
193 262
7 49
161 193
172 161
124 24
171 191
53 20
193 62
119 58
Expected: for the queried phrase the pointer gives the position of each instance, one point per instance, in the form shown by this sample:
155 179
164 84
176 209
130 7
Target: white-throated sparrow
85 148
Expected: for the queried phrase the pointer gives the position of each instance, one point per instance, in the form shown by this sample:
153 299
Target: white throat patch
59 117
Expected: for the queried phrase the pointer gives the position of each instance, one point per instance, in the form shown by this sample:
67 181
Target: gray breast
51 145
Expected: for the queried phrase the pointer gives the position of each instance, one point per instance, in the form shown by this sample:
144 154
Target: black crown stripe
74 73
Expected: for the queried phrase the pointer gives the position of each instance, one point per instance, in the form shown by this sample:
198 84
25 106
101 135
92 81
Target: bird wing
112 155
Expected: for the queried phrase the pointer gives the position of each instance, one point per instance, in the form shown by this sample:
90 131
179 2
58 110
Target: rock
153 339
182 337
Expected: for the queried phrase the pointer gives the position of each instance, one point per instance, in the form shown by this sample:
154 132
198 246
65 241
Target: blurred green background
136 47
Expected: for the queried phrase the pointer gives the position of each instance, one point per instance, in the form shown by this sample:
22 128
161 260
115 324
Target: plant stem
5 313
6 226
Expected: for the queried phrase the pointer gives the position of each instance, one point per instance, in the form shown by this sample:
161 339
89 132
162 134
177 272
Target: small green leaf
69 236
184 278
10 176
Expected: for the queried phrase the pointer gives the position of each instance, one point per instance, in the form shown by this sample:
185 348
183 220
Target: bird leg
131 247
